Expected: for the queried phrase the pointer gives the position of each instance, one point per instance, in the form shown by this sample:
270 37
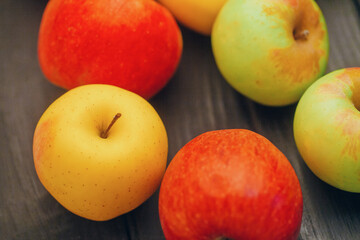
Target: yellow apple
95 165
199 15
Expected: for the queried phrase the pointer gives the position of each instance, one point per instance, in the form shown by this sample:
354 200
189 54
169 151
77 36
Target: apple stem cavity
302 35
222 238
104 134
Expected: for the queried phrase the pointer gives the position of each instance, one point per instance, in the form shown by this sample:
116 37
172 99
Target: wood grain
196 100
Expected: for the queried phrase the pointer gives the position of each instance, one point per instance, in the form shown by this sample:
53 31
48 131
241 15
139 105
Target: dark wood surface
196 100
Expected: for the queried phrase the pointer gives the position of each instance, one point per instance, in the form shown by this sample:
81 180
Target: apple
327 128
271 51
132 44
198 15
230 184
100 151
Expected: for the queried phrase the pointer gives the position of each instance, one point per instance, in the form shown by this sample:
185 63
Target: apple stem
105 133
303 35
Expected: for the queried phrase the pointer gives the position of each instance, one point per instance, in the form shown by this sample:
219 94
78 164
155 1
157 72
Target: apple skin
327 129
256 51
198 15
132 44
93 177
231 184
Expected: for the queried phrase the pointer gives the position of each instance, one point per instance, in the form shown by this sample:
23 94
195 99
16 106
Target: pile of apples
101 148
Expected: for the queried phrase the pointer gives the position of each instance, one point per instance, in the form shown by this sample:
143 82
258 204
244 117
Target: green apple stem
302 35
104 134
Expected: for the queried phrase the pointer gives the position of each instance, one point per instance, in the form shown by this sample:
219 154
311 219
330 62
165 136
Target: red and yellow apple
327 128
271 51
94 172
133 44
230 184
199 15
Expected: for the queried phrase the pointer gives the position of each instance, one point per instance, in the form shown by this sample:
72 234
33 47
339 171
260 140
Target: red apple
133 44
230 184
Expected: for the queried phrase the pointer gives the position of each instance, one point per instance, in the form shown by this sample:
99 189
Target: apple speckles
335 89
345 76
297 64
277 10
349 123
351 77
293 3
277 200
42 137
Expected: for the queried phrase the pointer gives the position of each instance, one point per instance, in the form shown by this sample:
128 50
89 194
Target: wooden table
196 100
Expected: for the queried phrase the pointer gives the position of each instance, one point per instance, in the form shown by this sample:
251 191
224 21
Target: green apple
327 128
100 151
271 51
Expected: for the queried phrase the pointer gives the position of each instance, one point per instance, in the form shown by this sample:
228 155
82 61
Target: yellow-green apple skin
327 128
198 15
271 51
100 178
